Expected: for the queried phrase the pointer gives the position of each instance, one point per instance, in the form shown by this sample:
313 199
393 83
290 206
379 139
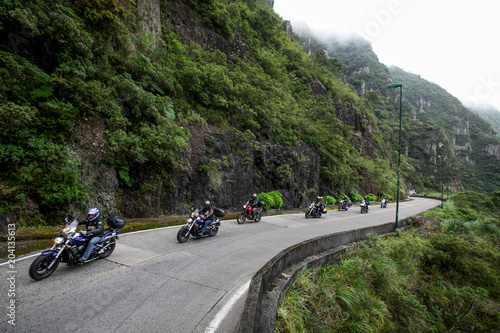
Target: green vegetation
329 200
80 70
434 123
271 199
434 279
82 90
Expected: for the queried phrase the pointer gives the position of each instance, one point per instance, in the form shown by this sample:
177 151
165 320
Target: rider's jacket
94 228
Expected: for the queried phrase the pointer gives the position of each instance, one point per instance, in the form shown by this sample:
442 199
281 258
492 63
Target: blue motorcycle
194 225
71 244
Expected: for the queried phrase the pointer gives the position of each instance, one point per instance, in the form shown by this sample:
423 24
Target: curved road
152 283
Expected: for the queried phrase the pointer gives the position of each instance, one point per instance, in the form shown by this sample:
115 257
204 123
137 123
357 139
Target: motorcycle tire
381 205
241 218
214 231
38 269
258 218
308 214
183 235
111 248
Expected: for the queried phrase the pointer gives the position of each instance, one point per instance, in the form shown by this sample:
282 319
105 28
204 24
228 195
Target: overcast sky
455 44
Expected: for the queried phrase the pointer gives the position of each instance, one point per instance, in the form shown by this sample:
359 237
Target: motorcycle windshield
71 226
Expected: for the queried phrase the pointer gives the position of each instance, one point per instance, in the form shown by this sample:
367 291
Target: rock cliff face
228 166
224 166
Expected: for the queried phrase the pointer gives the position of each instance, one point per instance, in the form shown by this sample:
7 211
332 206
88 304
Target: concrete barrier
271 281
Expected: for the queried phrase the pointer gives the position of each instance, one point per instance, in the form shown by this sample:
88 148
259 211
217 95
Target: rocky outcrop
184 21
226 168
493 150
148 12
287 26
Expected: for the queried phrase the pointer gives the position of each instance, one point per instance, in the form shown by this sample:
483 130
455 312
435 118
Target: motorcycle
194 225
364 206
383 203
70 246
344 204
315 211
250 213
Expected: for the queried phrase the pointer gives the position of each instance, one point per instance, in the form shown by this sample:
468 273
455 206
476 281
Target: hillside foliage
433 279
82 87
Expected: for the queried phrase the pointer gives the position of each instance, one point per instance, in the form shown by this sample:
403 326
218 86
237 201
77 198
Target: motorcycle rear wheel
241 218
38 269
183 235
111 248
258 217
214 231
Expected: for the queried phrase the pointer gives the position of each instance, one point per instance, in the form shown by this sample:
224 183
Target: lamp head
395 85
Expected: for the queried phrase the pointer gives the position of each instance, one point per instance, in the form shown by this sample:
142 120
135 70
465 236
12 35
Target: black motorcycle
344 204
315 211
194 225
384 202
70 246
364 206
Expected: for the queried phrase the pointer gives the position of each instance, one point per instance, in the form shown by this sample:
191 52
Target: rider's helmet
207 203
366 199
254 196
92 214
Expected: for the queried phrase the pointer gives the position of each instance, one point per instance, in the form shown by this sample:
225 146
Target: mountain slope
434 122
147 108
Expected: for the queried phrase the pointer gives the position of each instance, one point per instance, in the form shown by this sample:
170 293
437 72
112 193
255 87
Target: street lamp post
400 86
448 189
421 183
442 180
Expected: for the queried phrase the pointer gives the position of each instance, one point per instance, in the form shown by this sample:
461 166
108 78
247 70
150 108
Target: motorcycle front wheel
241 218
39 268
110 243
308 214
183 235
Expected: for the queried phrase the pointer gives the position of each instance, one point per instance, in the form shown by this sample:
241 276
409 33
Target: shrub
340 197
356 197
329 200
271 199
371 197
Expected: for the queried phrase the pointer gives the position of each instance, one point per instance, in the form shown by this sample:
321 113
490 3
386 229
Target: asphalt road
152 283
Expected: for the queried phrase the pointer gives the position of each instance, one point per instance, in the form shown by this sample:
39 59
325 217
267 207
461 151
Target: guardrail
269 283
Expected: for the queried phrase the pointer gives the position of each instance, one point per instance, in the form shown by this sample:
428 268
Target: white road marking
214 324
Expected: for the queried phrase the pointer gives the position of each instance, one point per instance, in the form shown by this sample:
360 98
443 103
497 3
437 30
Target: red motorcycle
250 213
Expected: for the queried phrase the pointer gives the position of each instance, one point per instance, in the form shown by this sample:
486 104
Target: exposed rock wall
226 170
222 166
148 12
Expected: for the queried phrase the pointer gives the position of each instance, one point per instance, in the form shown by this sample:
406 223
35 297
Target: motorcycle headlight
65 229
58 240
244 206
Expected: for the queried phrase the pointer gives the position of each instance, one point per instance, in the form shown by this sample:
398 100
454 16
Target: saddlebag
219 212
116 222
325 210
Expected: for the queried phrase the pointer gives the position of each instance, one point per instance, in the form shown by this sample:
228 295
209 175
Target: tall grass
445 281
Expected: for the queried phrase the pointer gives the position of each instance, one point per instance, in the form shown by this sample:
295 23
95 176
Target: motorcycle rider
367 203
320 205
253 202
208 214
95 228
345 202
